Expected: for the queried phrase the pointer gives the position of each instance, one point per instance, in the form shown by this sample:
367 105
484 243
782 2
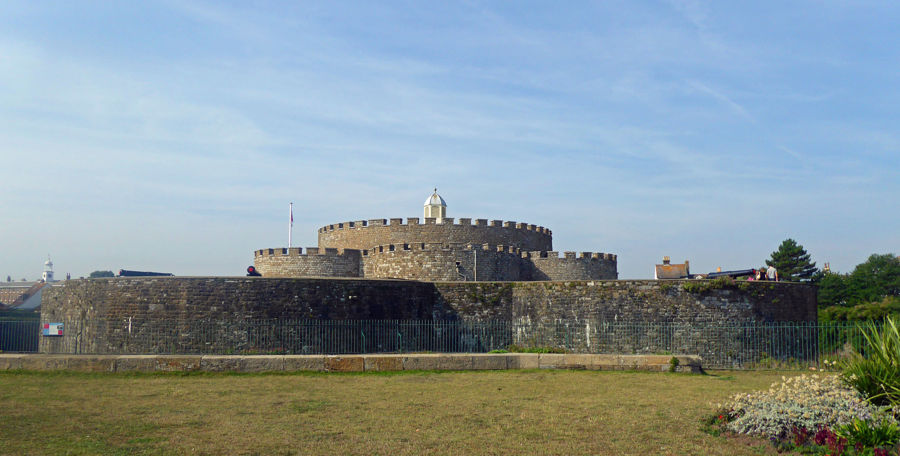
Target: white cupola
47 275
435 206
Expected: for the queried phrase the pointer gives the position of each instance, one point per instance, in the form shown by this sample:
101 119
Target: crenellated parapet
316 262
364 234
483 262
573 266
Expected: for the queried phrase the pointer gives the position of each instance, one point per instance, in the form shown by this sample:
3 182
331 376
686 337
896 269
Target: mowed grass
494 412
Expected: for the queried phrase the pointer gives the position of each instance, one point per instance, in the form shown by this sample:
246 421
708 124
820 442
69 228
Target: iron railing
745 345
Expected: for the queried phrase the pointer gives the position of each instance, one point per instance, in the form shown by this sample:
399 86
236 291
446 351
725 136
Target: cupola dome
435 206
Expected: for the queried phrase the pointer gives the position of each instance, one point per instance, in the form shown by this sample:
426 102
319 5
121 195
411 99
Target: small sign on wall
53 329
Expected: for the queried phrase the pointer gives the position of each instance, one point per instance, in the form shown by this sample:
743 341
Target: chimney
666 260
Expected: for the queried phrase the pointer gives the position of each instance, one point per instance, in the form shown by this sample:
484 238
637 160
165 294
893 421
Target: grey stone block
421 362
220 363
490 362
524 360
88 363
178 363
262 363
136 363
10 362
314 363
45 362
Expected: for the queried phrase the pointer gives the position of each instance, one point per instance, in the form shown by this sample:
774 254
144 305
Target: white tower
435 206
47 275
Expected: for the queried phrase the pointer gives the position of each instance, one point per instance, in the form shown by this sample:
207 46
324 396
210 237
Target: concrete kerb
346 363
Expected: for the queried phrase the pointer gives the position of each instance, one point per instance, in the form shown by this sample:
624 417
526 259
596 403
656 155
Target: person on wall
772 273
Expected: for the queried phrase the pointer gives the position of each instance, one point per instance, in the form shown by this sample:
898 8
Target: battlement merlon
578 256
298 251
463 221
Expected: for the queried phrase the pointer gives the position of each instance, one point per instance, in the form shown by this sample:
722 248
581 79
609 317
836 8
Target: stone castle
440 249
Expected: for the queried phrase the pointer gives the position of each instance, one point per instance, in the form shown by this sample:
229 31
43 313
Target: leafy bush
876 371
702 286
673 364
805 402
870 434
889 306
513 348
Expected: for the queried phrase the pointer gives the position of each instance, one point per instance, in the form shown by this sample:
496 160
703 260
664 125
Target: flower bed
817 414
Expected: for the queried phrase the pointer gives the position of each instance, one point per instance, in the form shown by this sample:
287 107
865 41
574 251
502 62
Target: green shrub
870 433
804 402
673 364
875 372
522 349
878 310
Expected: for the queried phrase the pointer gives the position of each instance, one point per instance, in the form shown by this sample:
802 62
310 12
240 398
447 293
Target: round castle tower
439 249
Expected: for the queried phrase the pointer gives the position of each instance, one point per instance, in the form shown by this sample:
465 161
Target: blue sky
171 136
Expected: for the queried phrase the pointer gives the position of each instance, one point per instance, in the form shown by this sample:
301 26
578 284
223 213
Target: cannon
732 274
127 273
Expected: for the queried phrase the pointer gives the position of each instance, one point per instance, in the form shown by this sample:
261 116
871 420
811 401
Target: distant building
667 270
20 295
25 295
47 275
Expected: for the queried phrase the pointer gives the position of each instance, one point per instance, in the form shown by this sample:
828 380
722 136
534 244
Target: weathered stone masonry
365 234
136 302
435 252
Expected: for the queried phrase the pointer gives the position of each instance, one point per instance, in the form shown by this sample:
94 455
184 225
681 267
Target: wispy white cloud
733 106
698 116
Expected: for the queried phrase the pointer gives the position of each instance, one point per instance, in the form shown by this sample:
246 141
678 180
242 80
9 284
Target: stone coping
345 363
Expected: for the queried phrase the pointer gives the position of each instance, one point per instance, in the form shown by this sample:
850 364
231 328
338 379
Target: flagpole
291 225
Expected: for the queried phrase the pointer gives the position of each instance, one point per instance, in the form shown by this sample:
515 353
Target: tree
98 274
877 278
834 290
792 262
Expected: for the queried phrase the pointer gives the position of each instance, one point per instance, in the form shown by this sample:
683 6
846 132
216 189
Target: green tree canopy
877 278
98 274
792 262
834 290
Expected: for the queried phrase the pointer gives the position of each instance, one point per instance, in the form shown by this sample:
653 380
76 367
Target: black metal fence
19 336
788 344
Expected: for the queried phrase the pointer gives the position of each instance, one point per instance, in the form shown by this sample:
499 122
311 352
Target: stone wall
438 262
144 315
636 301
585 266
342 299
435 262
291 262
365 234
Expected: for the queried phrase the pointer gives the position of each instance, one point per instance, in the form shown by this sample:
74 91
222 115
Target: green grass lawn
489 412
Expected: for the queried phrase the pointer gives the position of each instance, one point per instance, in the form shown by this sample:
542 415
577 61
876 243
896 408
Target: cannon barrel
737 273
127 273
